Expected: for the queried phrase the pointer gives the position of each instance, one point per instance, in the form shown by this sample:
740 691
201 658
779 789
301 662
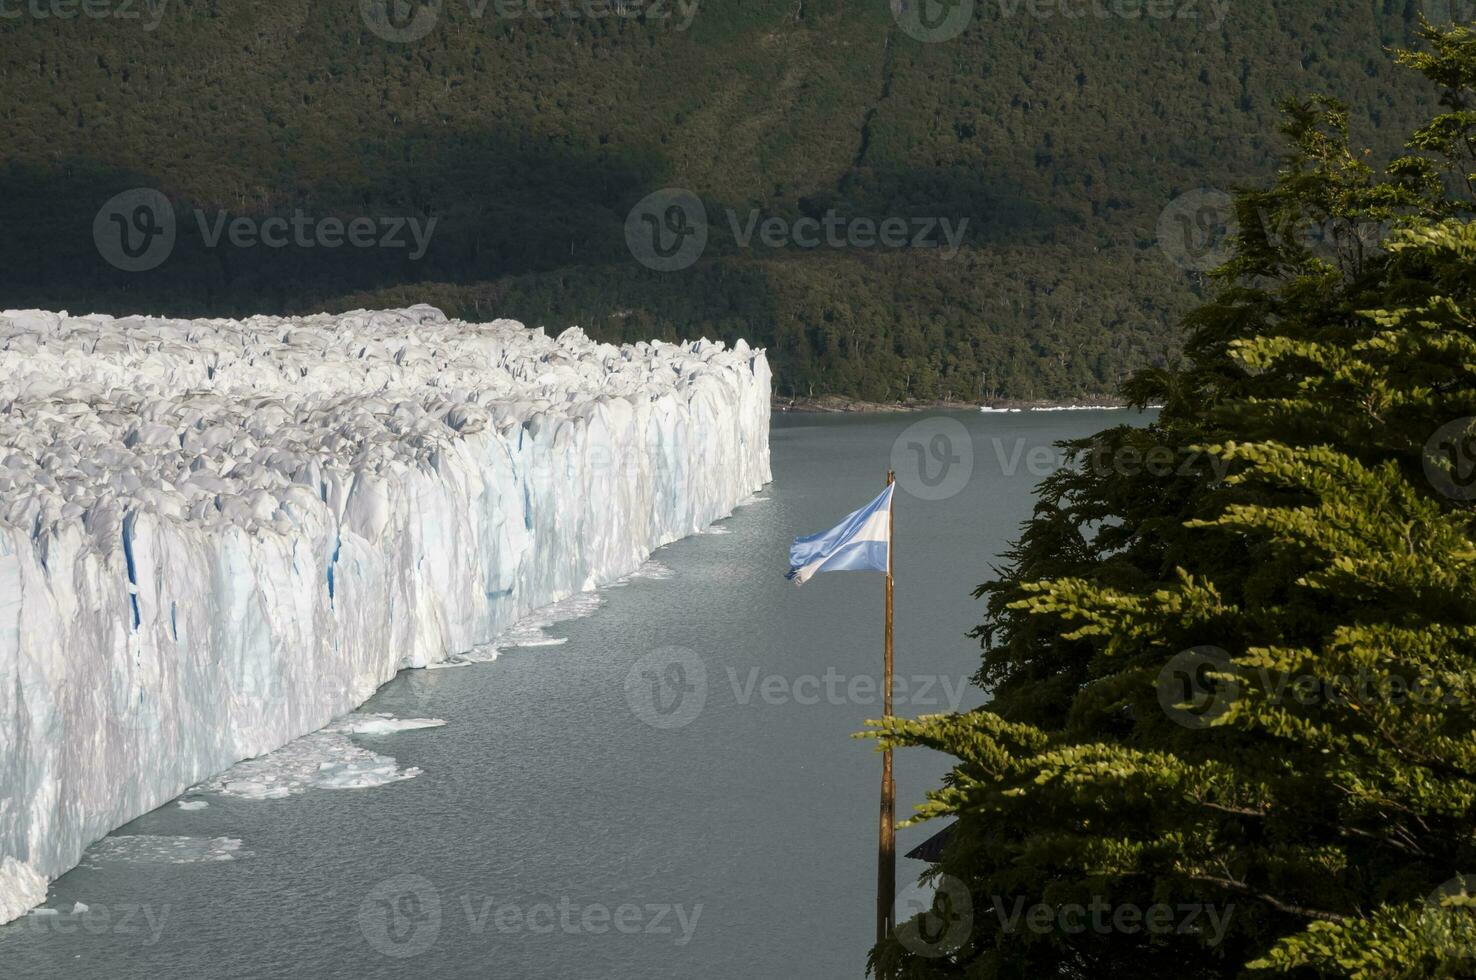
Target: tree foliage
1248 682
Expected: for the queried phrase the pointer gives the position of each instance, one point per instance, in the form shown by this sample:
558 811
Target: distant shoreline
837 404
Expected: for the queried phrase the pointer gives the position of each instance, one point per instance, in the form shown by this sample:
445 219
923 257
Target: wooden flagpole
886 866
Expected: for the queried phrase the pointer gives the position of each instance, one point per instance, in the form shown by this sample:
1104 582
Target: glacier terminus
217 536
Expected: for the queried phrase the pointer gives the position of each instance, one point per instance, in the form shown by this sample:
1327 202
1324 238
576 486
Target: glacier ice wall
216 536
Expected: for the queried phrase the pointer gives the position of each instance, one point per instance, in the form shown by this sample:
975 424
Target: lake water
672 792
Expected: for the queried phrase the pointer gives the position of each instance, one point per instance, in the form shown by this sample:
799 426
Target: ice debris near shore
217 536
152 849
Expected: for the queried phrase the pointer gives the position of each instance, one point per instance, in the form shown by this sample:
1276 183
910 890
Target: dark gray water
567 825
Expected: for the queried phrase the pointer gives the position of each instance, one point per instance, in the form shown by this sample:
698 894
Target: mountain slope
1058 141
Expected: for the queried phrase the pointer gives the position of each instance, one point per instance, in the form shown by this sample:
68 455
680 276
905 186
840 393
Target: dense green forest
1233 722
1059 140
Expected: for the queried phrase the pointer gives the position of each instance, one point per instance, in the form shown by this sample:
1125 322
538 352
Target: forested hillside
1060 141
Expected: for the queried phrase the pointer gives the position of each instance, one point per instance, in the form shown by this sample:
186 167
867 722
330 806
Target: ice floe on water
483 654
152 849
651 571
326 759
380 724
449 663
78 908
322 760
1078 408
531 631
193 804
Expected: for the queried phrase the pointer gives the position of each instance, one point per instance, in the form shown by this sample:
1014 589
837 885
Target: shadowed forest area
1060 142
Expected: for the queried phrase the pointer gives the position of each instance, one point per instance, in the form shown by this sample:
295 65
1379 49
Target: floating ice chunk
78 908
151 849
529 632
193 804
380 724
1078 408
322 760
481 654
530 635
359 774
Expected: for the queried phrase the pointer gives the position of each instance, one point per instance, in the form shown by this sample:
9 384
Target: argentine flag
857 544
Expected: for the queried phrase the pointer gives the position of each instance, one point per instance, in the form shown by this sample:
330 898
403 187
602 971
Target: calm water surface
556 831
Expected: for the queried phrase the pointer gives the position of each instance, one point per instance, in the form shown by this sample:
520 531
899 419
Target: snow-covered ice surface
217 536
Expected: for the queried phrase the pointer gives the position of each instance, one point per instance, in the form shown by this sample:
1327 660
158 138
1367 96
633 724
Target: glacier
217 536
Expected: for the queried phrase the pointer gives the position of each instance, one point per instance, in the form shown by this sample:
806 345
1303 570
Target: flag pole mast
886 867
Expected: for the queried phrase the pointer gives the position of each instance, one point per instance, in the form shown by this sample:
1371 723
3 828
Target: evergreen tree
1241 681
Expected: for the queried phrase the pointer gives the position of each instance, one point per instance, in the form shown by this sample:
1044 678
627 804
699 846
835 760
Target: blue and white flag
857 544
